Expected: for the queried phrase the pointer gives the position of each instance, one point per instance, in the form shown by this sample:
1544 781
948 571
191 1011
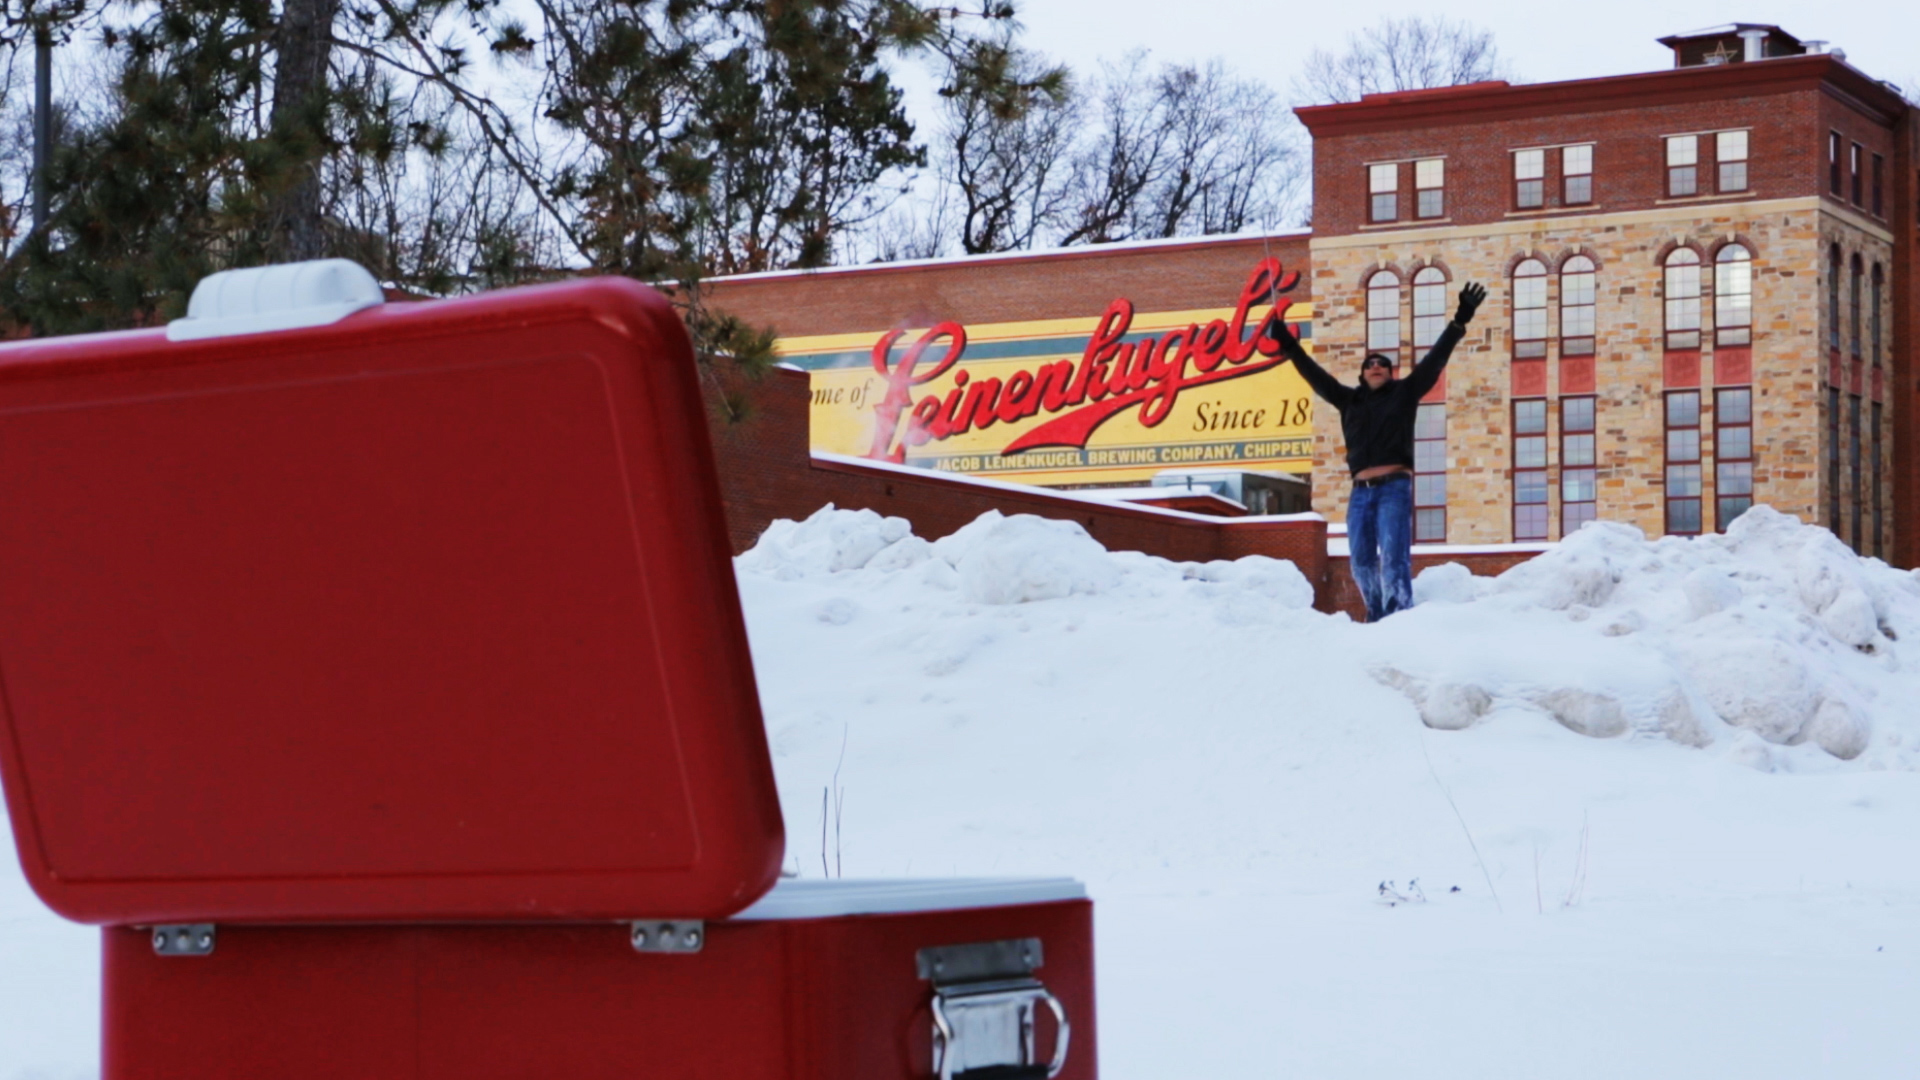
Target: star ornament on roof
1722 55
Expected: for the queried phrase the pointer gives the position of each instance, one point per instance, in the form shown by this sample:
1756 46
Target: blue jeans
1380 538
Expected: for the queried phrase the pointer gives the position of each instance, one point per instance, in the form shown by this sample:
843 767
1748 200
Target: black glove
1470 299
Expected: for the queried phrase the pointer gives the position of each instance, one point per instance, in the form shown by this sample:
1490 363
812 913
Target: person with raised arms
1376 418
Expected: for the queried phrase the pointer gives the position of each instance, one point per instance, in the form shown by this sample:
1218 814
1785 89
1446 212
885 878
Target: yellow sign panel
1110 399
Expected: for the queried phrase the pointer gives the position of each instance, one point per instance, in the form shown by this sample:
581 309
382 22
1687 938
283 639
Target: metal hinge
669 935
984 1003
183 939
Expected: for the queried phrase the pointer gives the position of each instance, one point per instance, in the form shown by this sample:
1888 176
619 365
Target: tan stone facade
1790 240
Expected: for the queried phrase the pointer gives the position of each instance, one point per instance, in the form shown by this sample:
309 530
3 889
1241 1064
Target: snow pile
1677 771
1666 773
1011 560
1773 635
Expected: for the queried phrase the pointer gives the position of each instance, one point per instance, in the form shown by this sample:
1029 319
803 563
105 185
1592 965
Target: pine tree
162 193
672 140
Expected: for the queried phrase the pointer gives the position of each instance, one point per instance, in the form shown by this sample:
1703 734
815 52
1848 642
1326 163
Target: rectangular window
1683 462
1879 523
1730 153
1854 477
1529 179
1578 488
1683 162
1833 459
1430 474
1879 186
1430 185
1383 183
1576 172
1732 454
1853 163
1833 163
1530 470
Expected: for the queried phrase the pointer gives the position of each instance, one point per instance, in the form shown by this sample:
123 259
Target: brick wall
1080 282
1789 218
766 472
1905 348
1782 103
1344 595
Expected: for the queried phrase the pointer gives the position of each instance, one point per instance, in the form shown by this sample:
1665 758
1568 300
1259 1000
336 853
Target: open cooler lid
424 612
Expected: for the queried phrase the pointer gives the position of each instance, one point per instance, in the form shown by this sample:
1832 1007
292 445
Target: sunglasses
1375 364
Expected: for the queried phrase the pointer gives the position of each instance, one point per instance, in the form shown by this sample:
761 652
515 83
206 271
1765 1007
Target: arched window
1529 309
1683 301
1873 314
1833 294
1733 296
1383 314
1429 306
1576 307
1853 306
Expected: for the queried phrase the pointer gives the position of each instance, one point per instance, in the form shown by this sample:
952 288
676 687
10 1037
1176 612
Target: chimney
1755 41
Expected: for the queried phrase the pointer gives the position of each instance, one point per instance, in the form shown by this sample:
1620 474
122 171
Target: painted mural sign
1109 399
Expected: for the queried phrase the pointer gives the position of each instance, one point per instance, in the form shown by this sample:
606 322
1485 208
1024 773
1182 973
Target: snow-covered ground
1661 819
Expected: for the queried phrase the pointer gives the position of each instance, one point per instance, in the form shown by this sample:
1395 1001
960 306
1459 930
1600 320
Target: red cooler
374 675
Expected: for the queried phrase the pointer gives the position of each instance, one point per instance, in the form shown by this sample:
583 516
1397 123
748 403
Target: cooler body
375 675
807 998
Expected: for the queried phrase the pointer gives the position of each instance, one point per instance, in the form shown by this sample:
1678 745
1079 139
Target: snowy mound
1680 791
1012 560
1772 636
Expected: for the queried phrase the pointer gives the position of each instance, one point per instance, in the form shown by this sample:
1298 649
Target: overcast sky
1546 40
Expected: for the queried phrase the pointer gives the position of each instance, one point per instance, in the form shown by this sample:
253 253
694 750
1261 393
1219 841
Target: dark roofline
1118 250
1481 102
1729 28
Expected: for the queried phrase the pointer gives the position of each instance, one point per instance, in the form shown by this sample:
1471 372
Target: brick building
1702 295
1702 292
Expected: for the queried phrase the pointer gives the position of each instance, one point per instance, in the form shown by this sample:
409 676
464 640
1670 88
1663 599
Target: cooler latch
984 1002
183 939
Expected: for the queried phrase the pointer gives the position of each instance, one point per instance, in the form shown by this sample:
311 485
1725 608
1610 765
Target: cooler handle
1020 999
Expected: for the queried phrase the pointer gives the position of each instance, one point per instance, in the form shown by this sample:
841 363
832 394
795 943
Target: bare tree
1127 154
418 195
1231 163
1185 150
910 229
1407 53
1003 157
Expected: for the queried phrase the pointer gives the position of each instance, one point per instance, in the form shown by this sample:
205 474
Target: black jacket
1378 424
